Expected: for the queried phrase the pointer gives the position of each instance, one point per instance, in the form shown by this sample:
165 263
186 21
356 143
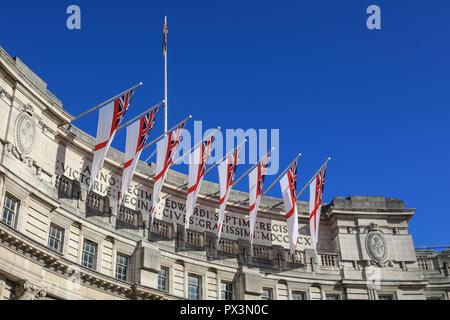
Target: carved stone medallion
377 246
25 133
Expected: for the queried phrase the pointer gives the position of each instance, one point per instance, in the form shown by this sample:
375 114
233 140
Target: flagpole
281 175
165 79
164 134
307 184
194 147
226 156
138 116
101 104
253 167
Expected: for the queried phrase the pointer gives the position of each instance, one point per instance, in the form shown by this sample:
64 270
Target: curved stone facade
58 241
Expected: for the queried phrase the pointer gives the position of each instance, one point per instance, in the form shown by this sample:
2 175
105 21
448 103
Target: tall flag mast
164 50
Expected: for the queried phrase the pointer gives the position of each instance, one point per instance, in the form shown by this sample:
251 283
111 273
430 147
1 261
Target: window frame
94 263
335 295
270 290
225 291
126 266
391 295
166 279
61 241
302 293
15 213
198 286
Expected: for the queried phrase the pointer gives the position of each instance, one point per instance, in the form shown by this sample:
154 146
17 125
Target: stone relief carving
25 130
377 246
25 290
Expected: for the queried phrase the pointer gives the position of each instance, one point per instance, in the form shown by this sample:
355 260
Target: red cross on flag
197 168
289 191
256 181
109 119
315 204
166 149
137 135
227 171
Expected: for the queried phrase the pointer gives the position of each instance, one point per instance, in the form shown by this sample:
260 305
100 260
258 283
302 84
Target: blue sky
376 101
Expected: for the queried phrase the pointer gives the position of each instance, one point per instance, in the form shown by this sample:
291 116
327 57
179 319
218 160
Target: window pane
162 279
226 291
298 295
89 255
193 287
10 209
332 297
385 297
266 294
121 267
55 239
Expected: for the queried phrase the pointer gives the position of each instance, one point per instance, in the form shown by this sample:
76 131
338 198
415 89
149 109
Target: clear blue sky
376 101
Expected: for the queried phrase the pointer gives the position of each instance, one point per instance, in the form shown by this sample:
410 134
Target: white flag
315 205
227 171
289 191
197 168
109 118
256 180
166 149
137 135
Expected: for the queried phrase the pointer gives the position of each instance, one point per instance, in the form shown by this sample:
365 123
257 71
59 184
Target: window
385 297
10 210
89 257
194 287
226 289
434 298
266 294
121 267
56 238
298 295
163 278
332 297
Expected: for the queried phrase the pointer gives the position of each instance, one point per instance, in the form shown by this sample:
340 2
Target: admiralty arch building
59 241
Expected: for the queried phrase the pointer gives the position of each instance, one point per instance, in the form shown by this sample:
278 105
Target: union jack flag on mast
110 117
315 204
137 135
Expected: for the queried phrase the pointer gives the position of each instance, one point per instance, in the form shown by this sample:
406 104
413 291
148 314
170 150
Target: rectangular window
226 289
163 278
89 257
121 267
298 295
56 238
332 297
194 283
266 294
10 211
385 297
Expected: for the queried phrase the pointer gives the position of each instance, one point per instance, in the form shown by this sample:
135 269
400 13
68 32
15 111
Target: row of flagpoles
111 114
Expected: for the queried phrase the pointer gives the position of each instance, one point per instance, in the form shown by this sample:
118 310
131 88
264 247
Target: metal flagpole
164 134
198 144
306 186
165 74
138 116
281 175
226 156
253 167
101 104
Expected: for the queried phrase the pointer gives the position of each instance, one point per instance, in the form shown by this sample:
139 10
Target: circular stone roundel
377 247
25 133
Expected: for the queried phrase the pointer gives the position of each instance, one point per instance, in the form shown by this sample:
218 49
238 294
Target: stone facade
59 241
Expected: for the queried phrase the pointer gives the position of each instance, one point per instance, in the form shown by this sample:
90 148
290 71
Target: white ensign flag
109 118
227 174
256 180
289 191
166 149
315 204
137 135
197 168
